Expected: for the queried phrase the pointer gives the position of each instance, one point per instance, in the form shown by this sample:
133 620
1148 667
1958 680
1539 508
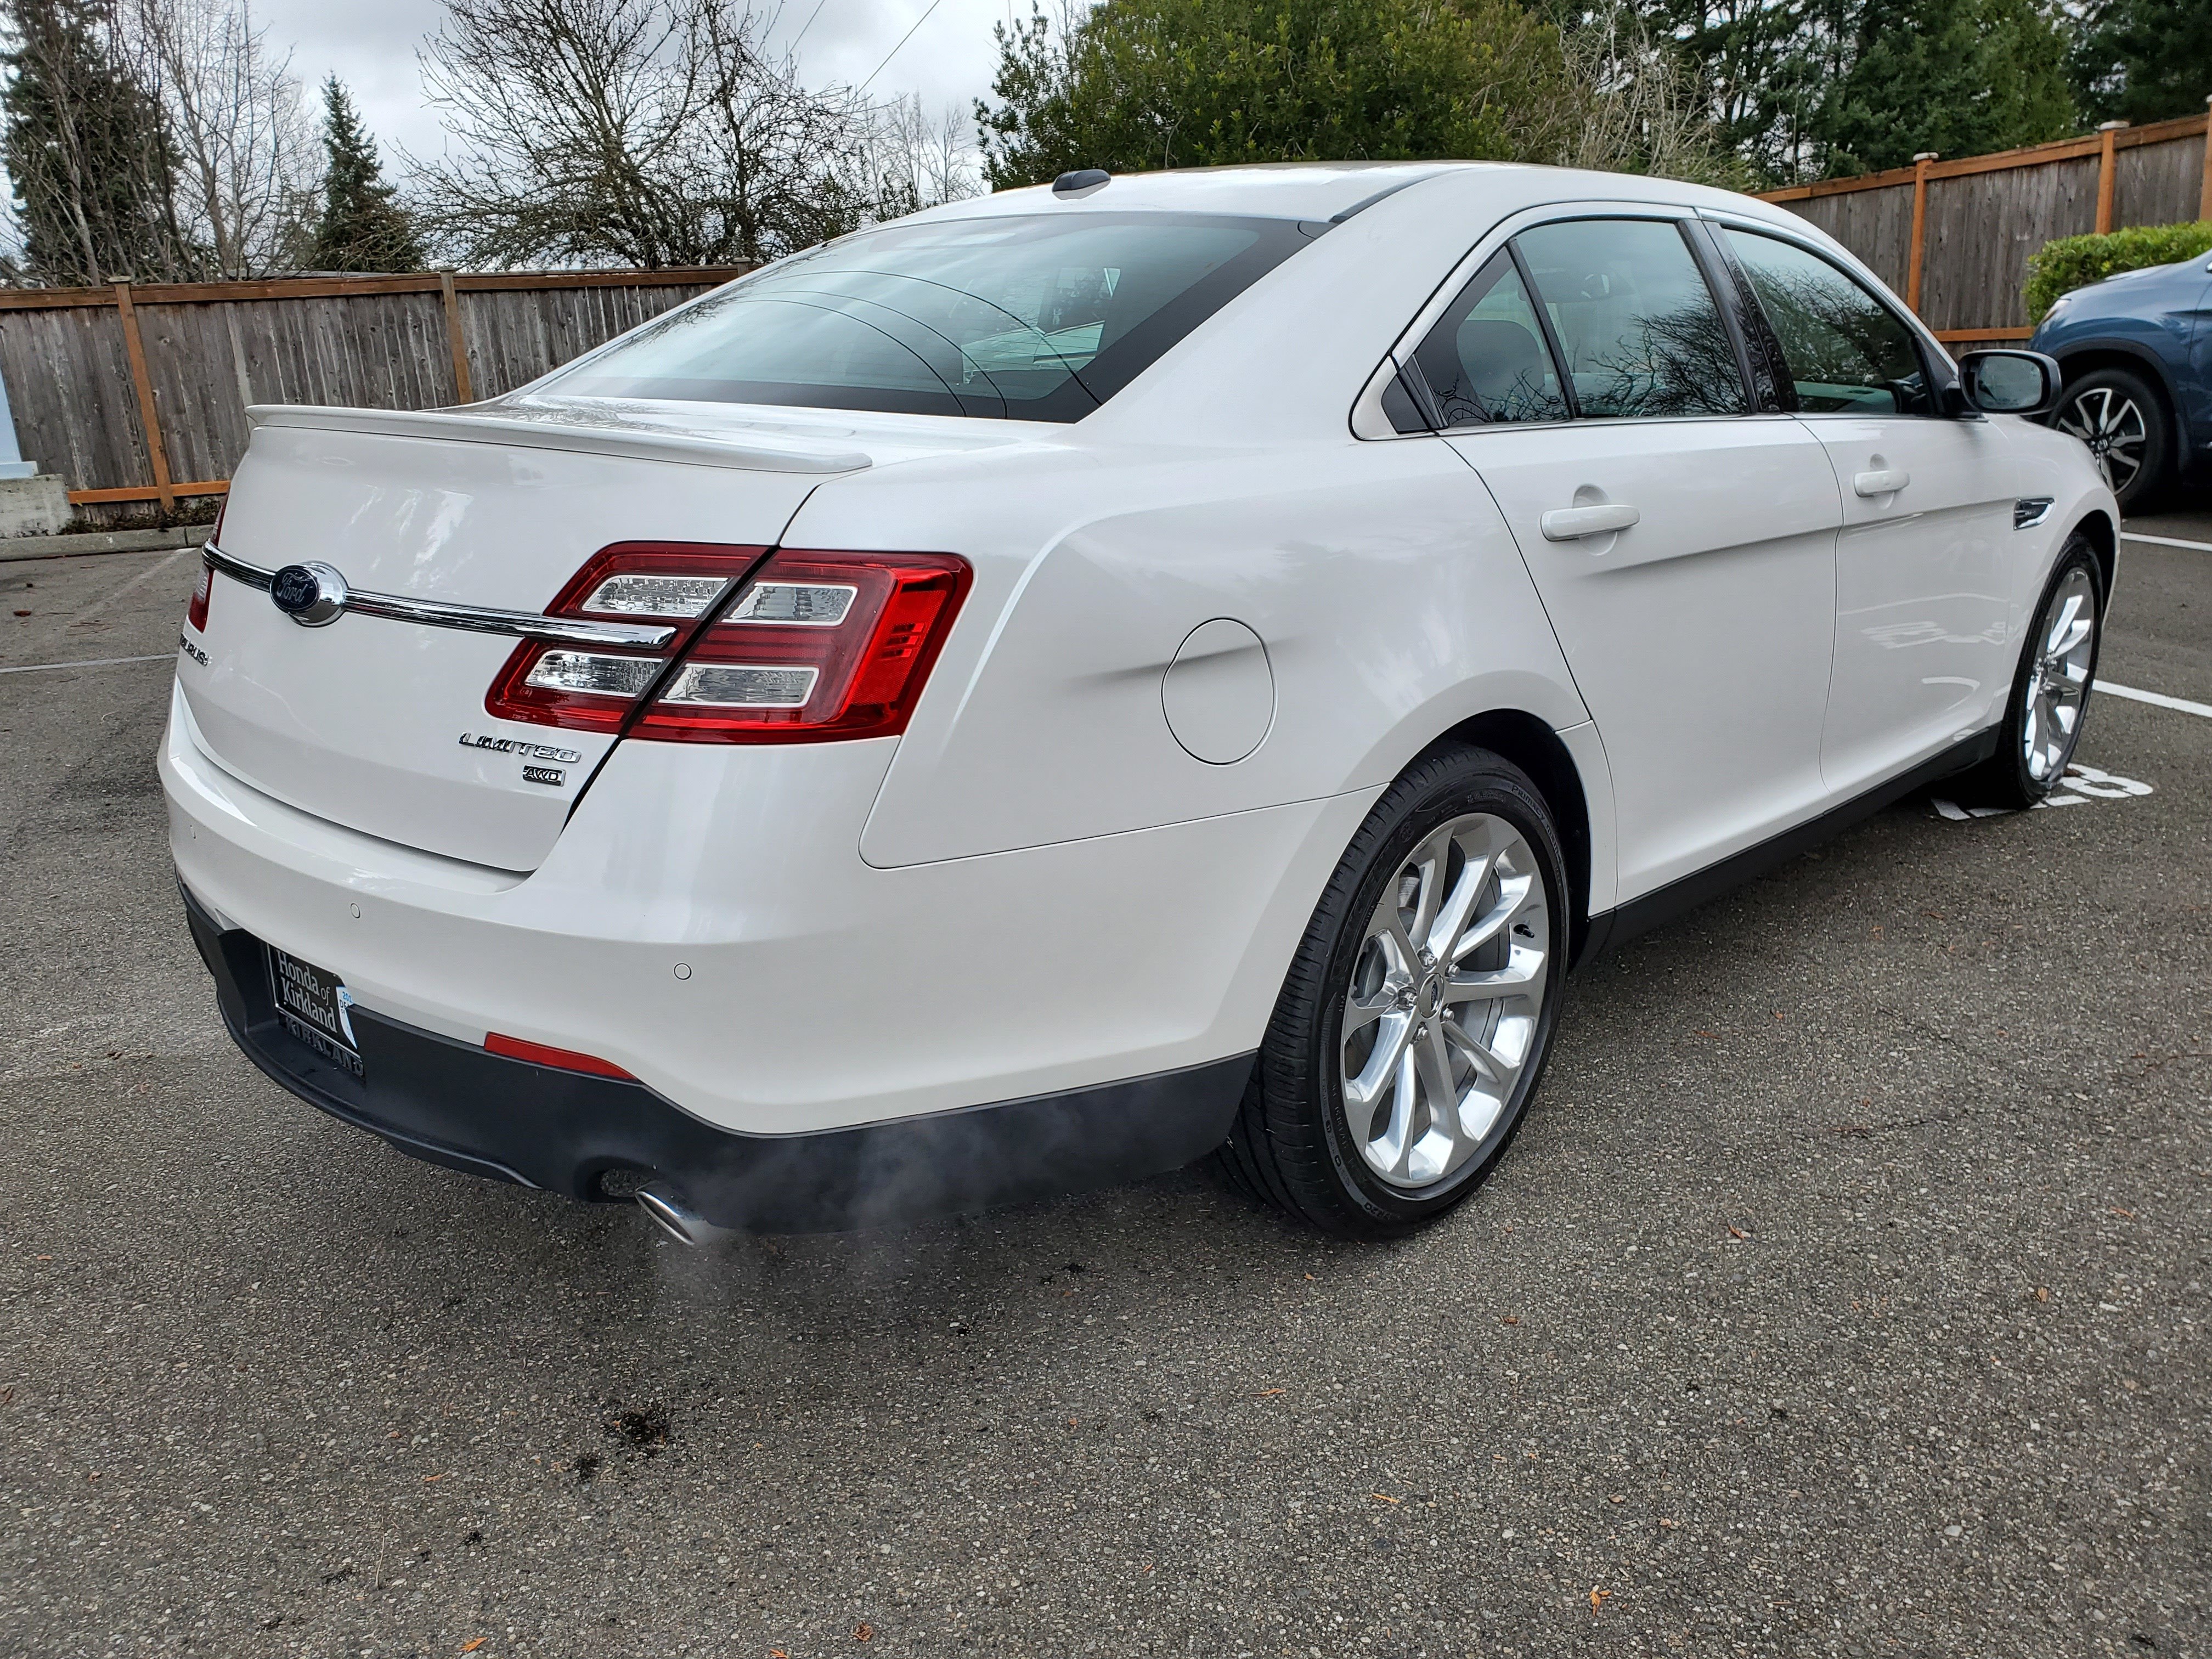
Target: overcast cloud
370 46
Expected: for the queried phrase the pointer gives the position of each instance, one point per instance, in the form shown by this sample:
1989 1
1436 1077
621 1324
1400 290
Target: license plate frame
312 1004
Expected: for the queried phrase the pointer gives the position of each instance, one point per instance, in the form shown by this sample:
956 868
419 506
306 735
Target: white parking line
89 662
2166 541
137 581
2157 697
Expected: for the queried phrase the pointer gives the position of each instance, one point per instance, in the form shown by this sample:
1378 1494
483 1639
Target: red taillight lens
813 646
818 646
195 614
597 689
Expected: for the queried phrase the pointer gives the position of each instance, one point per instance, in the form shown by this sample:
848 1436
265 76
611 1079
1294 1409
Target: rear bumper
705 924
457 1104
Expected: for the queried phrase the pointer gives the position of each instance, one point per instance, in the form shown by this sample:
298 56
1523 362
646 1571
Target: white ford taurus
1041 691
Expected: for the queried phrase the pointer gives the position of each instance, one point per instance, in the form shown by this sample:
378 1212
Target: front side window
1485 360
1037 319
1637 324
1845 351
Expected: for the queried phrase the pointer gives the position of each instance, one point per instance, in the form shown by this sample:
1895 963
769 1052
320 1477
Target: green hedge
2073 261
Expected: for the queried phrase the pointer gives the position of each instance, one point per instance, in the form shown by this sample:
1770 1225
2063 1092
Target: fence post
135 349
2105 133
1921 163
2205 196
455 340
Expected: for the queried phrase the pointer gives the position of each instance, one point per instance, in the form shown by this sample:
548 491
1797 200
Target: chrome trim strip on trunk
469 618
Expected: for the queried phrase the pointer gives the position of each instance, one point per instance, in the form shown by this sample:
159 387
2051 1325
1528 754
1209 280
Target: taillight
814 646
596 688
196 613
817 646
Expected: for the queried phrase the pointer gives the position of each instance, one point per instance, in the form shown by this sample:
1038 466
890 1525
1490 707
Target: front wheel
2050 693
1419 1011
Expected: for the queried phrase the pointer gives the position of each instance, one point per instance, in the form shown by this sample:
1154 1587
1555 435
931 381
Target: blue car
2137 353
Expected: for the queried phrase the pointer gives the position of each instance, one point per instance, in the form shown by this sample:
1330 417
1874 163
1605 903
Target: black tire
2120 416
1292 1143
2006 779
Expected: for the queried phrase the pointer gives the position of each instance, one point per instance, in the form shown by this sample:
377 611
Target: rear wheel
2116 414
2050 693
1419 1011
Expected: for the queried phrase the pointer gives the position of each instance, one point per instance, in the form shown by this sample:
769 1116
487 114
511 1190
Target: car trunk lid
379 723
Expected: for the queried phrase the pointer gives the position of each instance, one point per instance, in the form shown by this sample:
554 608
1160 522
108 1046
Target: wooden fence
138 396
1954 237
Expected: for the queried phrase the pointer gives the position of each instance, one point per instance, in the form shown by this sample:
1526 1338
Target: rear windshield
1024 319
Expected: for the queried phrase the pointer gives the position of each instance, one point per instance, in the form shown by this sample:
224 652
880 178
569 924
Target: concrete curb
21 548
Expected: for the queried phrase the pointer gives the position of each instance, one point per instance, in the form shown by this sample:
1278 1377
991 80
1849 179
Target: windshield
1024 319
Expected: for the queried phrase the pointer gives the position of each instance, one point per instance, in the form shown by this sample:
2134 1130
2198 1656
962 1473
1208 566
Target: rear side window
1637 324
1845 351
1037 318
1486 358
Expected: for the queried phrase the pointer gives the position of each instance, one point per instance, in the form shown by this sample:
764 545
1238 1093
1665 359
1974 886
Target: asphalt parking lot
1845 1294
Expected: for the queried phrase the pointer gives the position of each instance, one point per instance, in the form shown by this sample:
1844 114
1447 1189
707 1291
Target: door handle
1571 524
1887 481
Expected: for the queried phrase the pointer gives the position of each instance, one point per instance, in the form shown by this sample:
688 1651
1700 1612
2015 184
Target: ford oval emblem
311 595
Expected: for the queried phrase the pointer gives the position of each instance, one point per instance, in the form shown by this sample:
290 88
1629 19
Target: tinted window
1029 319
1635 320
1844 352
1486 358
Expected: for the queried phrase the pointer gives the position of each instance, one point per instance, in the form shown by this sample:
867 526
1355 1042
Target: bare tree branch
246 159
655 133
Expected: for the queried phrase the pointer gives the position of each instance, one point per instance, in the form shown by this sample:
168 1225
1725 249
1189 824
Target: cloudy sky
370 46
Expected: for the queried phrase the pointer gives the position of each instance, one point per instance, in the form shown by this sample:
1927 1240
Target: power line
894 51
809 24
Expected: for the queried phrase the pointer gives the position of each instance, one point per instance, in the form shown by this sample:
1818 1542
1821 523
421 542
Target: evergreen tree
363 227
2144 60
1765 66
1960 77
87 150
1136 85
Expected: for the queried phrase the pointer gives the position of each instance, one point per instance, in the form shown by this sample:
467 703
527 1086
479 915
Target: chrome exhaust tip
666 1206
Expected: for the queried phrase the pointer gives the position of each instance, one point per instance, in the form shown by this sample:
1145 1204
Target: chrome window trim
469 618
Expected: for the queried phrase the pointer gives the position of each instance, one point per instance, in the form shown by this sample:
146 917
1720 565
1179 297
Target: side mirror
2010 382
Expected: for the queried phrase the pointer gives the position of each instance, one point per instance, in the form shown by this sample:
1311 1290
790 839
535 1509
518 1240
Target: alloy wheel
2058 684
1447 994
2111 423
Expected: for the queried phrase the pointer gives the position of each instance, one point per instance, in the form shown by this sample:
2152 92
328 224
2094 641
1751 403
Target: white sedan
1060 685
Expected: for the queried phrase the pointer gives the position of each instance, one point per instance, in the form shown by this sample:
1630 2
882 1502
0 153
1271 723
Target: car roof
1275 189
1328 190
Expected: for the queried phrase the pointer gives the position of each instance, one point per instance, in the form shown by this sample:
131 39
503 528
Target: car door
1923 598
1684 547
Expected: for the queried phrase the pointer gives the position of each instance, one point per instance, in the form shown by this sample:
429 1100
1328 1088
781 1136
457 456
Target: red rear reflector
564 1059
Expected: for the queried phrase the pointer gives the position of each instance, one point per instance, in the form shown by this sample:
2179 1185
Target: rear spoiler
574 429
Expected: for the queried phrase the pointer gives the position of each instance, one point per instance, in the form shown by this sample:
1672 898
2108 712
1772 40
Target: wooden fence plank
1917 257
455 341
142 382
